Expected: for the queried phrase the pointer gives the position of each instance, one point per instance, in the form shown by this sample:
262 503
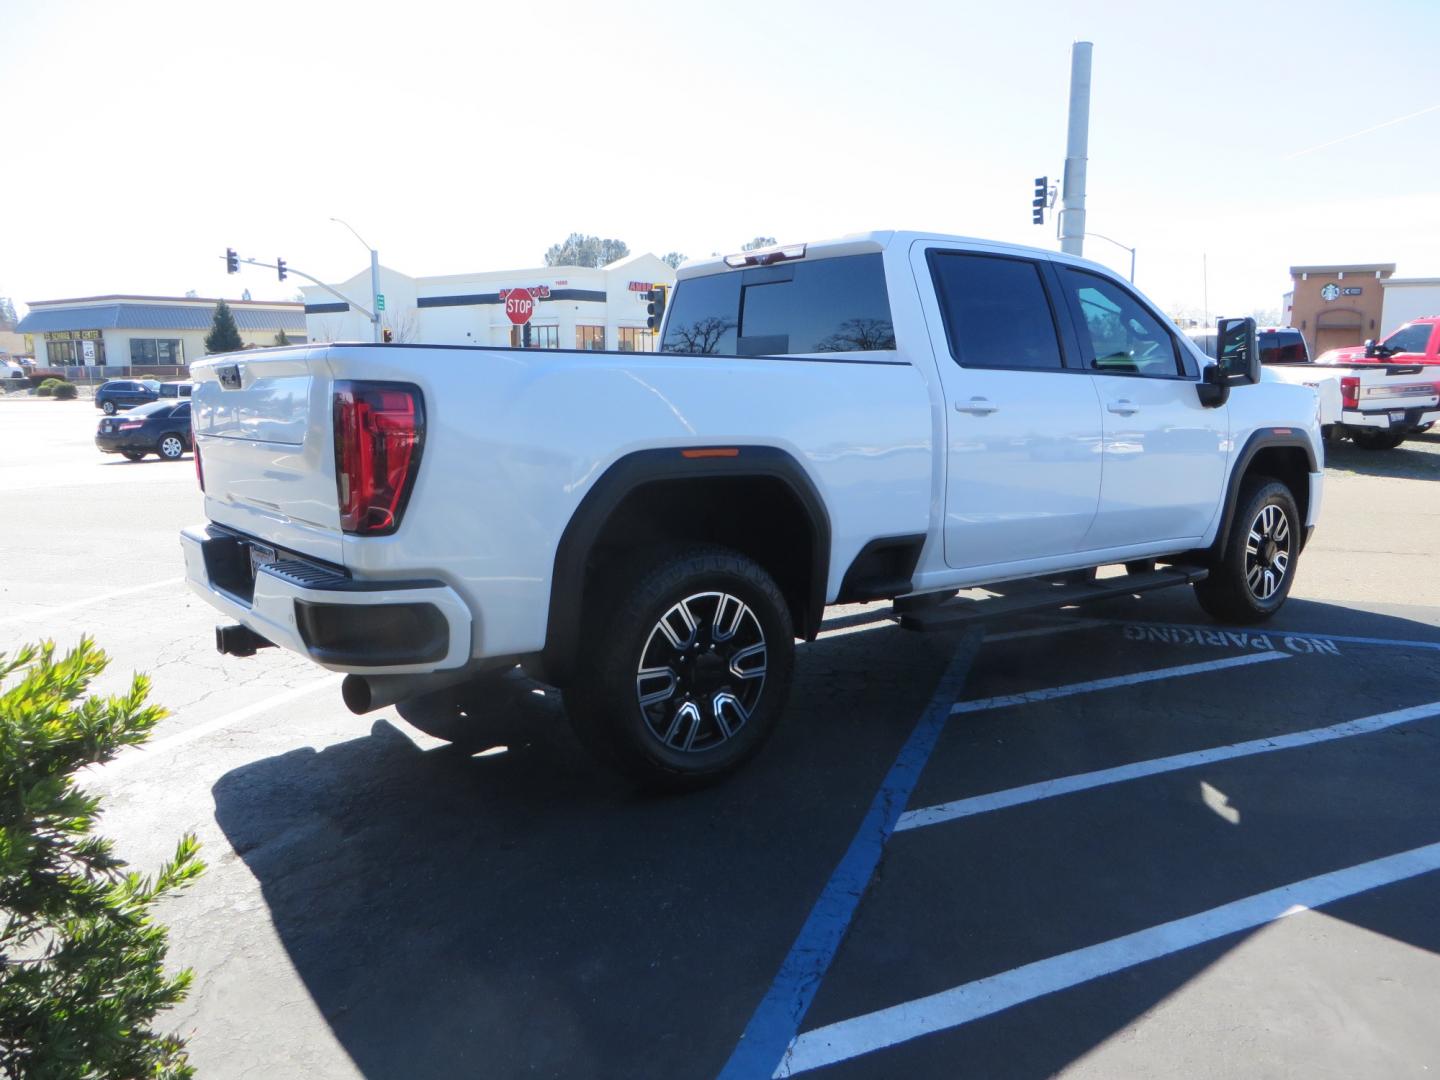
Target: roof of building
1352 268
1410 281
152 316
210 300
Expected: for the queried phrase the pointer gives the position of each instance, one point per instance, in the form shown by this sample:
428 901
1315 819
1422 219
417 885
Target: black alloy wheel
685 665
1250 583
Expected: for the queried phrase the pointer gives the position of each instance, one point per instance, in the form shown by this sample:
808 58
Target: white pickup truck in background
889 416
1377 405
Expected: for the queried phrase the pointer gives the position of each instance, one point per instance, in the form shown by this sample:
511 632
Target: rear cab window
1282 347
792 308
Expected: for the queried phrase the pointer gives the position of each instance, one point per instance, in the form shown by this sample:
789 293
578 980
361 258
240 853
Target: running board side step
1043 594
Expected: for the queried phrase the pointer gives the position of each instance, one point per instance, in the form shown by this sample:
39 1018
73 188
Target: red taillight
130 425
379 431
1350 392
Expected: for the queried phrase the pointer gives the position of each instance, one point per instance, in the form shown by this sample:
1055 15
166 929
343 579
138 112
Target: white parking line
1070 689
1066 785
983 997
154 749
46 612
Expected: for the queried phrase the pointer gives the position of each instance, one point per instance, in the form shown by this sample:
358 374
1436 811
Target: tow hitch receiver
238 640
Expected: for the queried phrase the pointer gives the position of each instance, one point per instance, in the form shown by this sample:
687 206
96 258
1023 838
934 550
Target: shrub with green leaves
44 391
81 960
65 392
52 382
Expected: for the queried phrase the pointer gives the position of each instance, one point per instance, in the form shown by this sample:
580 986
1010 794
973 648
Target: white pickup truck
892 415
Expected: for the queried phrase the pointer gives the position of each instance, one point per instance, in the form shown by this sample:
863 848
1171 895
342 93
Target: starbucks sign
1330 292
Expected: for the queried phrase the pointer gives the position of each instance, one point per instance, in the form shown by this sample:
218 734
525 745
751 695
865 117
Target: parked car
889 416
176 389
126 394
12 369
1278 344
158 427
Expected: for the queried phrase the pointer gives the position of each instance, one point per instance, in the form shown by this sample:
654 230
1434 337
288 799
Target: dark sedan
161 427
126 394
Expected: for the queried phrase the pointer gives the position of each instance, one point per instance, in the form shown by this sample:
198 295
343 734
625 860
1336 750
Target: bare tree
700 337
673 259
403 325
759 242
859 335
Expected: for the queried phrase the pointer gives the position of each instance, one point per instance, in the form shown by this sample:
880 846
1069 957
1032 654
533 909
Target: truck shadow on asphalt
524 913
1414 459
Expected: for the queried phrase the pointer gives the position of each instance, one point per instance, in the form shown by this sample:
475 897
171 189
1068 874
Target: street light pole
1117 243
374 280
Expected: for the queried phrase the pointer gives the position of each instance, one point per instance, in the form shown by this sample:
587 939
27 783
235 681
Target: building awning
155 317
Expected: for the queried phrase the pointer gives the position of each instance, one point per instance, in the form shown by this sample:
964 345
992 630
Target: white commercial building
1406 299
577 307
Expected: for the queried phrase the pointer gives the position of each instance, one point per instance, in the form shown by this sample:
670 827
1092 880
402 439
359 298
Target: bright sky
145 137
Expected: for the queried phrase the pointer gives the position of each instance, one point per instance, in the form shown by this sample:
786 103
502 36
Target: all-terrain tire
684 665
1377 440
1253 579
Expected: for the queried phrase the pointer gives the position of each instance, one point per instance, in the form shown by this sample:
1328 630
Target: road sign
519 306
379 301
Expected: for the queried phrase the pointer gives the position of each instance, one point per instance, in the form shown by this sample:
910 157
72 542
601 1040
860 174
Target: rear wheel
1377 440
685 666
172 447
108 408
1252 581
131 455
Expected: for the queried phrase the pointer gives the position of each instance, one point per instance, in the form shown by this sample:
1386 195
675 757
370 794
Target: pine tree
224 335
82 959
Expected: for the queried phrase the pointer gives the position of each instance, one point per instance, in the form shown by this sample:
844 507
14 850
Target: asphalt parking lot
1117 842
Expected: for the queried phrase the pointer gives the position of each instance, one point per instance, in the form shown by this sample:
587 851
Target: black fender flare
635 470
1260 439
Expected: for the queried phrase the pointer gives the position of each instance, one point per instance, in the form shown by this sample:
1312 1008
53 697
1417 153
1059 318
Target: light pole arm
1127 247
301 273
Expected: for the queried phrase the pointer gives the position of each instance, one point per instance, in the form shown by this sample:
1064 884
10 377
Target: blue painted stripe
777 1019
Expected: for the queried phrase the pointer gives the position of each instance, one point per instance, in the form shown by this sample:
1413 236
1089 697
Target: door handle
1123 407
976 406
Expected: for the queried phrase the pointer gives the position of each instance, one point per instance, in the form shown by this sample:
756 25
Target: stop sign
519 306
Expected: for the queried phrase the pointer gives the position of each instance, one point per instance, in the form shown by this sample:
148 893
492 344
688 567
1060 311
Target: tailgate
262 424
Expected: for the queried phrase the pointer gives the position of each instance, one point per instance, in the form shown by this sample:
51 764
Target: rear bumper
1401 419
320 612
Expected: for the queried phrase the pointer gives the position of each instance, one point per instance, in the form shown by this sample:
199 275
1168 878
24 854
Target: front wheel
1251 582
684 668
1377 440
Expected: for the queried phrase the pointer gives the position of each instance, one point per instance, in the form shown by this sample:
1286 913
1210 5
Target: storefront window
541 337
590 337
153 351
74 348
636 339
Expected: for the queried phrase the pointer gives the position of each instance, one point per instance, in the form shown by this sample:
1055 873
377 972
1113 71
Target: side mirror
1370 348
1237 351
1213 388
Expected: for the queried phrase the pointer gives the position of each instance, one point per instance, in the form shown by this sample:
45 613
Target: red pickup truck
1417 342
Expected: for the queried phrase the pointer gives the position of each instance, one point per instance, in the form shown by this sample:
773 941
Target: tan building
1334 306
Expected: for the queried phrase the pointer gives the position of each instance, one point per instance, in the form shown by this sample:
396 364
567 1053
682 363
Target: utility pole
1077 140
374 279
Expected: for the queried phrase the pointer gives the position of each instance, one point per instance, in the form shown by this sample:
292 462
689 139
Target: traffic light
1041 200
232 261
280 268
525 335
656 308
388 335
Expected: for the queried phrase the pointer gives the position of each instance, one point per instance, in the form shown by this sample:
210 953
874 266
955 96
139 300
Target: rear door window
826 306
997 311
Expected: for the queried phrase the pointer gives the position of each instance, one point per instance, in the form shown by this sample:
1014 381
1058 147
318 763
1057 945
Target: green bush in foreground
44 391
66 392
81 962
52 382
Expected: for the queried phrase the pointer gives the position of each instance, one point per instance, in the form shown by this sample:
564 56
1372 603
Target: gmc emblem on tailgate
229 376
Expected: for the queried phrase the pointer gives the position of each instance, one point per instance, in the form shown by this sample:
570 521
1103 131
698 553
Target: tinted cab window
830 305
1409 339
1124 336
1283 347
997 311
